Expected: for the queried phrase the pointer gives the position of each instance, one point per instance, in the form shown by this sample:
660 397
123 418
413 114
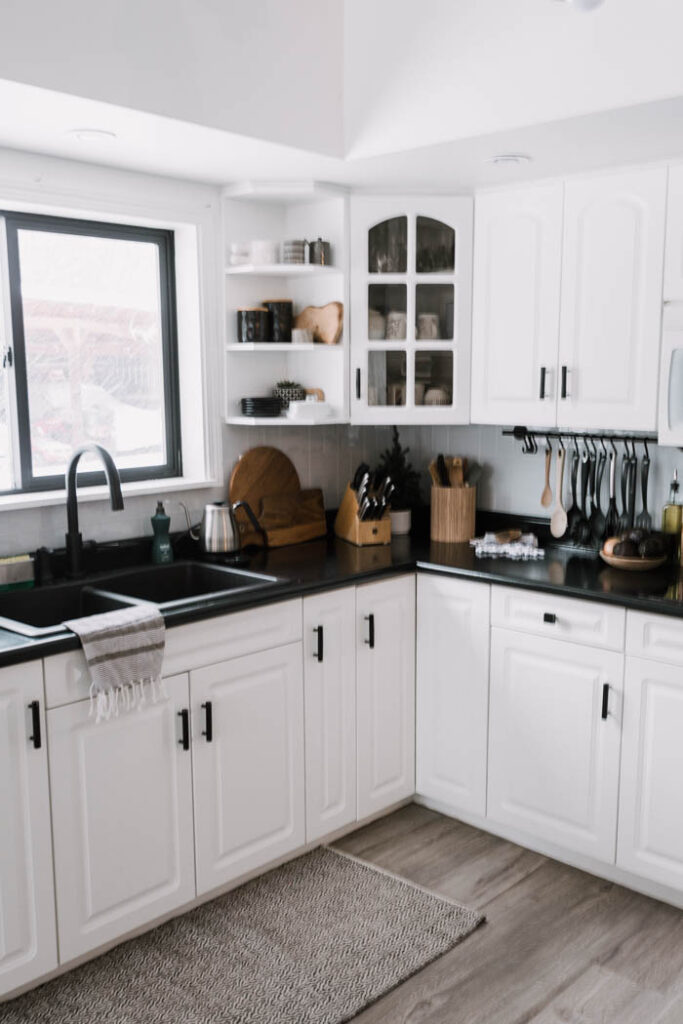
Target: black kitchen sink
182 583
40 612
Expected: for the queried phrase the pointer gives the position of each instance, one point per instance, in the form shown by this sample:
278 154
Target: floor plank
559 946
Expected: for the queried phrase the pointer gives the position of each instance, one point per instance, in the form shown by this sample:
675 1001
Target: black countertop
327 564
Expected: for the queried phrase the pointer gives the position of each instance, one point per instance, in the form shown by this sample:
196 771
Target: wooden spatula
456 472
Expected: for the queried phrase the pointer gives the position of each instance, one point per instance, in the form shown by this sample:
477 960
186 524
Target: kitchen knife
442 471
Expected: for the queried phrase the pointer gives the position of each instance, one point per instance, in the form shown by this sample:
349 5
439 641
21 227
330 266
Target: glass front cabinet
411 269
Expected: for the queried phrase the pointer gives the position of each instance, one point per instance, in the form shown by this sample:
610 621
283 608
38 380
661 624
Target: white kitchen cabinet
553 757
516 308
612 270
385 693
452 691
249 793
122 818
411 260
670 409
673 252
330 711
28 941
650 820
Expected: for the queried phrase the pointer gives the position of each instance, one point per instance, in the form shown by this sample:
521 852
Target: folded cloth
124 650
524 549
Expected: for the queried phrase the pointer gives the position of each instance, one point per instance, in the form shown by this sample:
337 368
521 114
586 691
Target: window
91 355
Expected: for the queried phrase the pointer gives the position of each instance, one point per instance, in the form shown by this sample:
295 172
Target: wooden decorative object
326 322
453 514
348 526
267 480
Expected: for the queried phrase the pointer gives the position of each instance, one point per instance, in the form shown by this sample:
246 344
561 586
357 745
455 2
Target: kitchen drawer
658 637
188 647
560 618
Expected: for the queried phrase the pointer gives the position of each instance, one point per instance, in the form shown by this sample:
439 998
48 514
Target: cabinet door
411 261
122 819
452 691
670 411
553 758
650 819
516 313
385 693
611 300
249 770
673 253
28 943
330 703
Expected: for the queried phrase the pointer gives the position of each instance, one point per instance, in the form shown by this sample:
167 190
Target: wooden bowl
633 564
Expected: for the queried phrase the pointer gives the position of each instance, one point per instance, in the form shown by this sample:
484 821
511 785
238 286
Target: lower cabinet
330 703
650 817
28 943
385 693
122 818
554 741
248 759
452 691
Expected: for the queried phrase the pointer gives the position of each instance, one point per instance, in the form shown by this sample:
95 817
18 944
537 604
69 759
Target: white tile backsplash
326 457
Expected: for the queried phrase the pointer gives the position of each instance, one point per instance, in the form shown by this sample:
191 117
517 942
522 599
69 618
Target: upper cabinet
611 300
670 425
567 303
517 257
673 252
410 318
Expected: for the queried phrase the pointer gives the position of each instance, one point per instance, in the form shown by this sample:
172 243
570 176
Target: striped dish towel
124 650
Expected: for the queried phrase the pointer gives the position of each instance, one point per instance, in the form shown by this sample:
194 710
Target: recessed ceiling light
582 5
92 134
509 158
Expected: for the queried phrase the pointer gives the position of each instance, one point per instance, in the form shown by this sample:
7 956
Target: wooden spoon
558 520
547 496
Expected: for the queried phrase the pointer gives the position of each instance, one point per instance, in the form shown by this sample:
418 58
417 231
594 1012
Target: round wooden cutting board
263 471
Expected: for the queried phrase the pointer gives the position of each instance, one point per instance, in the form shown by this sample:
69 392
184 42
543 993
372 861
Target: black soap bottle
162 552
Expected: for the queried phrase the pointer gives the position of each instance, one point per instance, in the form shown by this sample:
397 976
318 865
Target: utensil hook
647 452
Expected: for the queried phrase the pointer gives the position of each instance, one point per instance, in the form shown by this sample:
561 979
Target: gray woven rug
312 942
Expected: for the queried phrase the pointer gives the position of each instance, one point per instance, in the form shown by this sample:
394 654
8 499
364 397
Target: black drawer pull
208 720
358 383
36 739
184 717
563 392
549 617
370 619
319 652
605 700
543 375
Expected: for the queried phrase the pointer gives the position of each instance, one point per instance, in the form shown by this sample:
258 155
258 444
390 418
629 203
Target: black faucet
74 541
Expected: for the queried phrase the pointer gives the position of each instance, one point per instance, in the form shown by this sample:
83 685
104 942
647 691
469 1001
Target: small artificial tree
393 462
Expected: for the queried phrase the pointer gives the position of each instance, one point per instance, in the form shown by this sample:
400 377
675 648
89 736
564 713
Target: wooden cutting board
268 481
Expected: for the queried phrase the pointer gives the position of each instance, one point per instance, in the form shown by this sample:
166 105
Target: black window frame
164 240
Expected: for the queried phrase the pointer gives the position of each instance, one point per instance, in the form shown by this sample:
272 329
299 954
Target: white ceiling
411 121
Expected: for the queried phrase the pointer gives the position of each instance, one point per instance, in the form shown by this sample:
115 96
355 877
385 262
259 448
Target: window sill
161 487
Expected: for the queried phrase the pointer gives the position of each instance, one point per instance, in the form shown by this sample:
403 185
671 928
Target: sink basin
40 612
182 583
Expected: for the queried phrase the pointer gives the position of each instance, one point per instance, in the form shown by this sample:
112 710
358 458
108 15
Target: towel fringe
107 704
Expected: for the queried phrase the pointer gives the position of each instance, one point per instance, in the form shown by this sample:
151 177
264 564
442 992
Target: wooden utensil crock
453 514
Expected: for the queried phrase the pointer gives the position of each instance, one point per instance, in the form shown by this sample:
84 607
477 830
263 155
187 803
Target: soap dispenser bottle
162 552
672 513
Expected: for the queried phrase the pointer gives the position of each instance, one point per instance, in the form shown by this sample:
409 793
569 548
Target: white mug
428 326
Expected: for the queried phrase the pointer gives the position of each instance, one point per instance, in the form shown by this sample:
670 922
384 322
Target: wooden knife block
348 526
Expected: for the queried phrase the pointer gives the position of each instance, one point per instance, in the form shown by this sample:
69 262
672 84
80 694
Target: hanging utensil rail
530 446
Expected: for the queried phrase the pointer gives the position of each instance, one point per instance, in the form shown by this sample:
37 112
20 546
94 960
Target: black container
281 316
319 252
253 324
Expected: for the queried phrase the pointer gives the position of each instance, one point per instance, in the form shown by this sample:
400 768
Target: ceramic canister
253 324
281 317
428 326
396 325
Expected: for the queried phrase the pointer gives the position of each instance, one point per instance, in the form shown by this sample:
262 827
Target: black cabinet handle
358 383
543 376
184 717
208 726
605 700
319 652
549 617
36 739
563 392
370 619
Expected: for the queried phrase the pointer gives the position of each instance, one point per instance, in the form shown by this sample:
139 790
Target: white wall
417 74
262 68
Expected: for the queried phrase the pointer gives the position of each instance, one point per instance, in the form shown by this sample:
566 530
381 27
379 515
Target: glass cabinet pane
388 247
434 377
387 378
435 247
434 312
387 312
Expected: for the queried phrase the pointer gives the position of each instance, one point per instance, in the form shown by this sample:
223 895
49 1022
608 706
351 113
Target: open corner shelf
281 270
270 346
282 421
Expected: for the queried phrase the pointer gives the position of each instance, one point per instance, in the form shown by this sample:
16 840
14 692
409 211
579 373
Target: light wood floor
558 947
